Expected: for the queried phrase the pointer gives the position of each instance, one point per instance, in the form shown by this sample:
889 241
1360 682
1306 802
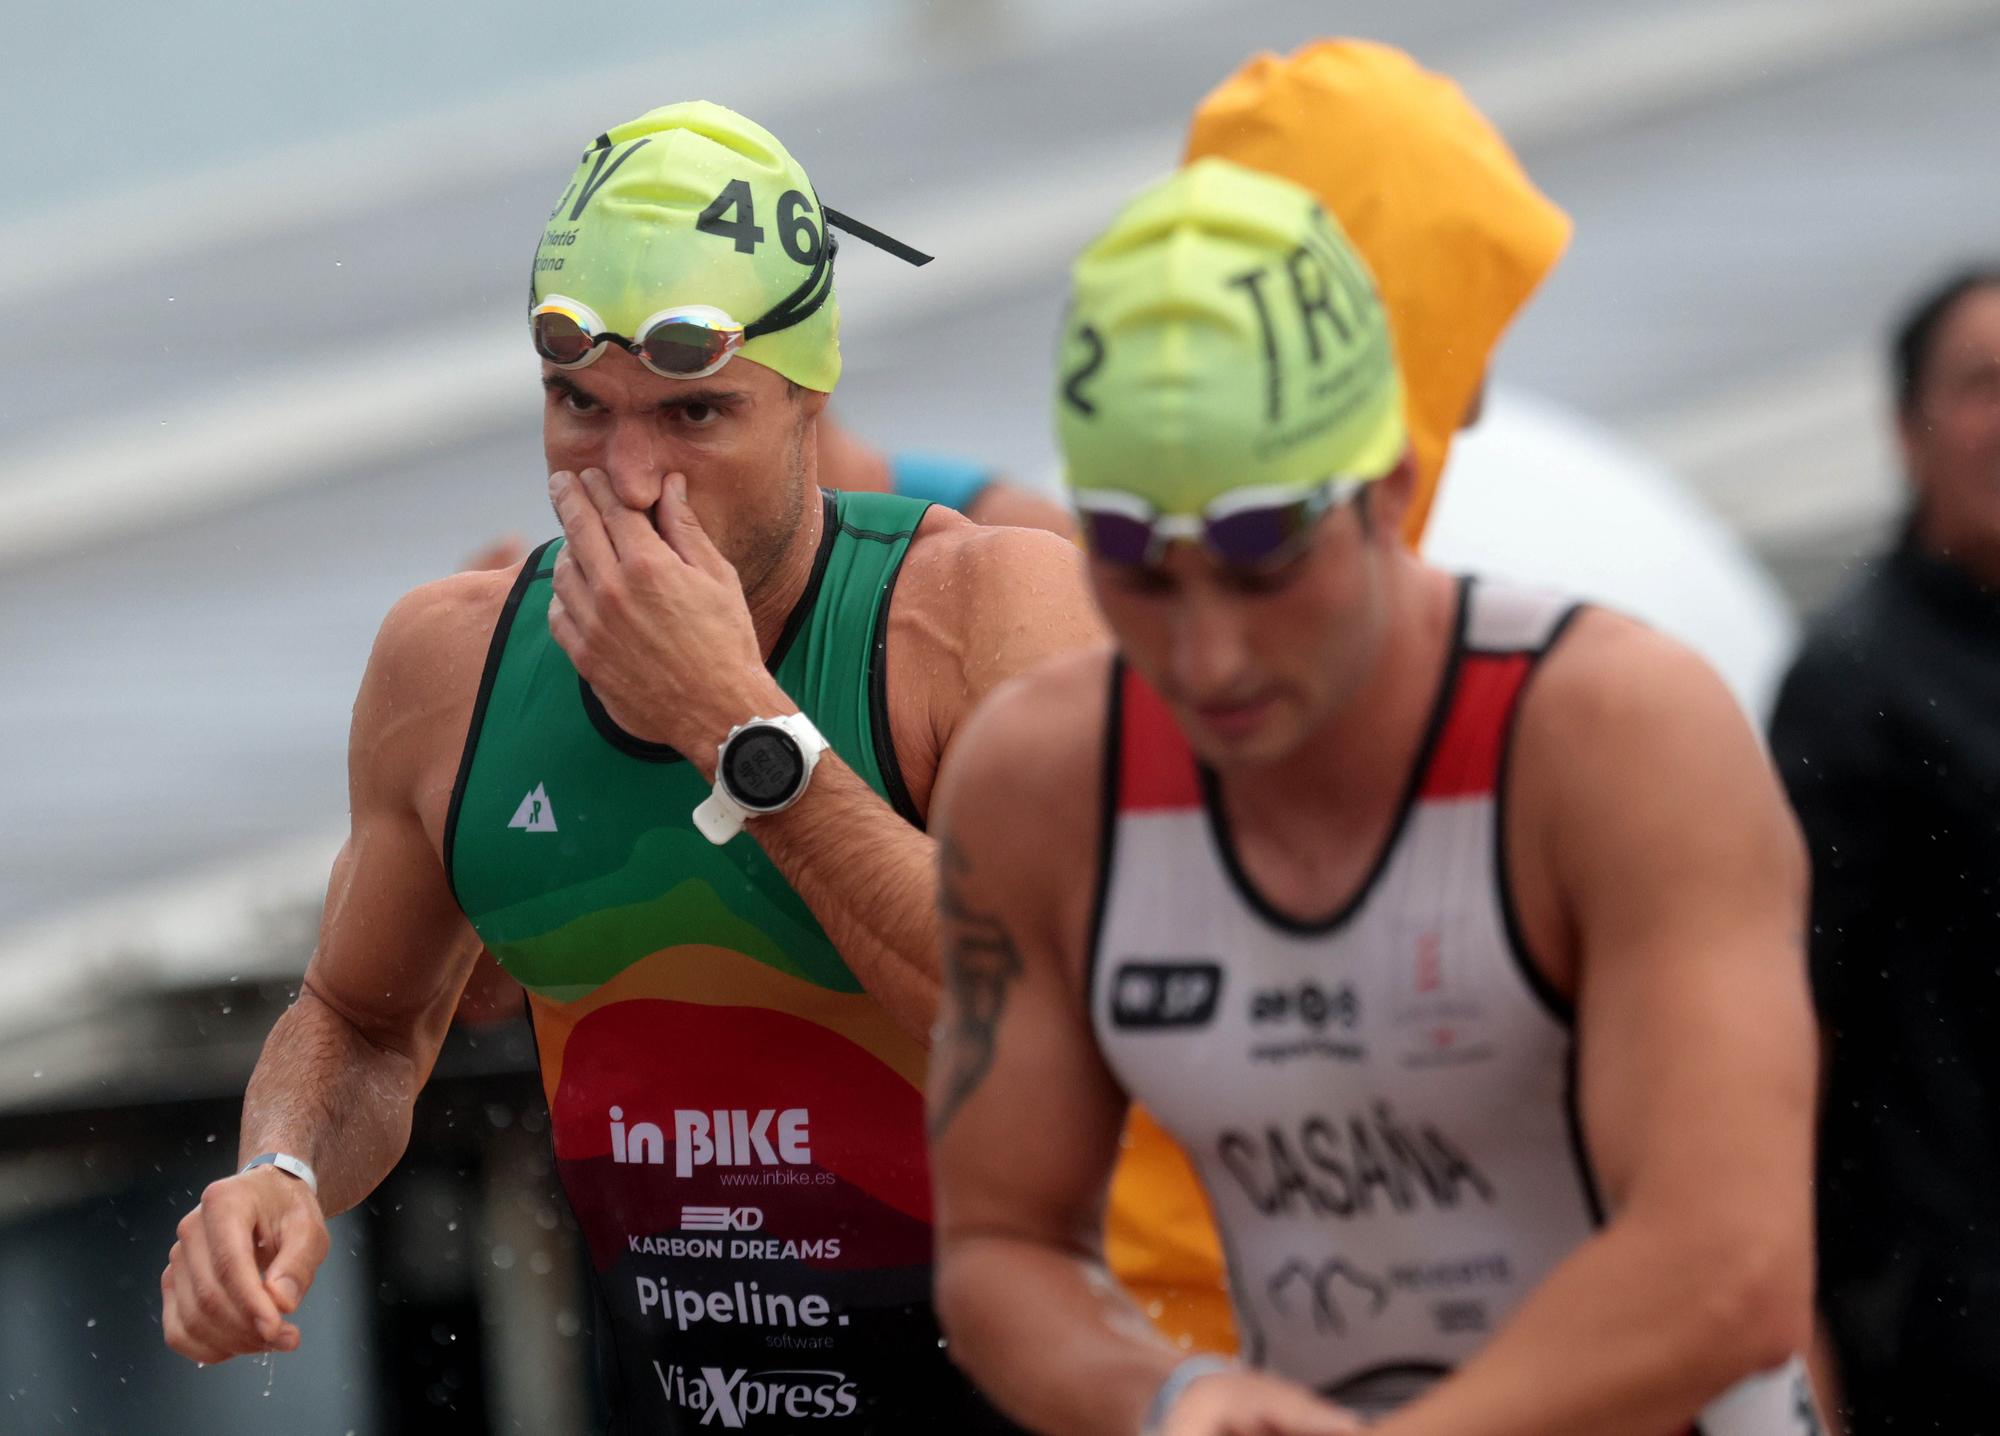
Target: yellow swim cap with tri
1223 334
694 204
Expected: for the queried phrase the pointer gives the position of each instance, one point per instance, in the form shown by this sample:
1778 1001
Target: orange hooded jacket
1458 238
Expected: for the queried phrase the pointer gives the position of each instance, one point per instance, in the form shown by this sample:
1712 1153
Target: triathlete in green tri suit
731 1028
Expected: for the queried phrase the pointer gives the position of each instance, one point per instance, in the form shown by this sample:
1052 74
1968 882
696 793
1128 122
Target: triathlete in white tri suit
1454 930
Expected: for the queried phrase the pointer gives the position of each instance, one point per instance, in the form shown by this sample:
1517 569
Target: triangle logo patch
535 815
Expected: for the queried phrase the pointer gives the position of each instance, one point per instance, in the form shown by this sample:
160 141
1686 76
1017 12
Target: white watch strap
288 1164
719 817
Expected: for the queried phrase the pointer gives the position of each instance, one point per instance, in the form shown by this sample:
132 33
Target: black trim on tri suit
1579 1149
883 738
608 729
1218 823
1334 1390
802 610
879 537
1518 947
649 752
1533 975
495 648
1109 788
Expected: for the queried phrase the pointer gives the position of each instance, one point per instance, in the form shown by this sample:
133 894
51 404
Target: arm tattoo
980 964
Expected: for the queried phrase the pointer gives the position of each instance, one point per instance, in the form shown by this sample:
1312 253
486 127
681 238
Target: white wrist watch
763 766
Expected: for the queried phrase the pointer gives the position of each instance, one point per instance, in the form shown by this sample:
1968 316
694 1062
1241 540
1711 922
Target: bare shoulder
1613 685
1037 732
972 563
434 633
421 684
1639 781
973 607
990 603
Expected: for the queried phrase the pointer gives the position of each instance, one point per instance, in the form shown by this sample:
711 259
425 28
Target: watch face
763 768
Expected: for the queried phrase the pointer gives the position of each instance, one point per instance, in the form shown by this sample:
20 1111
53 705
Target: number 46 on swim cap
1222 335
689 235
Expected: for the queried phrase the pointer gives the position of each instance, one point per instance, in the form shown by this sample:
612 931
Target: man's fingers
582 525
629 532
230 1225
301 1243
563 629
571 588
1253 1404
174 1326
212 1316
681 528
1307 1415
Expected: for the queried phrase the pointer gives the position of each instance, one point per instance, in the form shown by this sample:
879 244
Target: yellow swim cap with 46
692 204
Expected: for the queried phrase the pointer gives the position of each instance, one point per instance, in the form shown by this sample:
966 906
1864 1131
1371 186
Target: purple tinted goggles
1257 528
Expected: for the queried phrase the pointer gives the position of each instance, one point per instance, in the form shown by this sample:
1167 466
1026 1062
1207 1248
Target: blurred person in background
672 773
1887 732
1458 238
1453 927
972 488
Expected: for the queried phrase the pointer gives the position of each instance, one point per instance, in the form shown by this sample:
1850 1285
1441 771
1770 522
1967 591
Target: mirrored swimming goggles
688 341
692 341
1255 528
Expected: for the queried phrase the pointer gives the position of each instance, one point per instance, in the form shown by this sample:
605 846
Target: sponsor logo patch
738 1304
727 1137
1305 1019
731 1398
1167 993
722 1219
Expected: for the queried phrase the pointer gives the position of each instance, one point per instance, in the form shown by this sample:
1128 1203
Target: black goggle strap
798 306
867 233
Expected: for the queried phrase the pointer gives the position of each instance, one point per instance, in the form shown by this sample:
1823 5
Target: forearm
1050 1336
869 877
326 1094
1631 1336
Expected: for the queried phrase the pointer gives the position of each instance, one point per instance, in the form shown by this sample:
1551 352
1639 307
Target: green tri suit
738 1125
